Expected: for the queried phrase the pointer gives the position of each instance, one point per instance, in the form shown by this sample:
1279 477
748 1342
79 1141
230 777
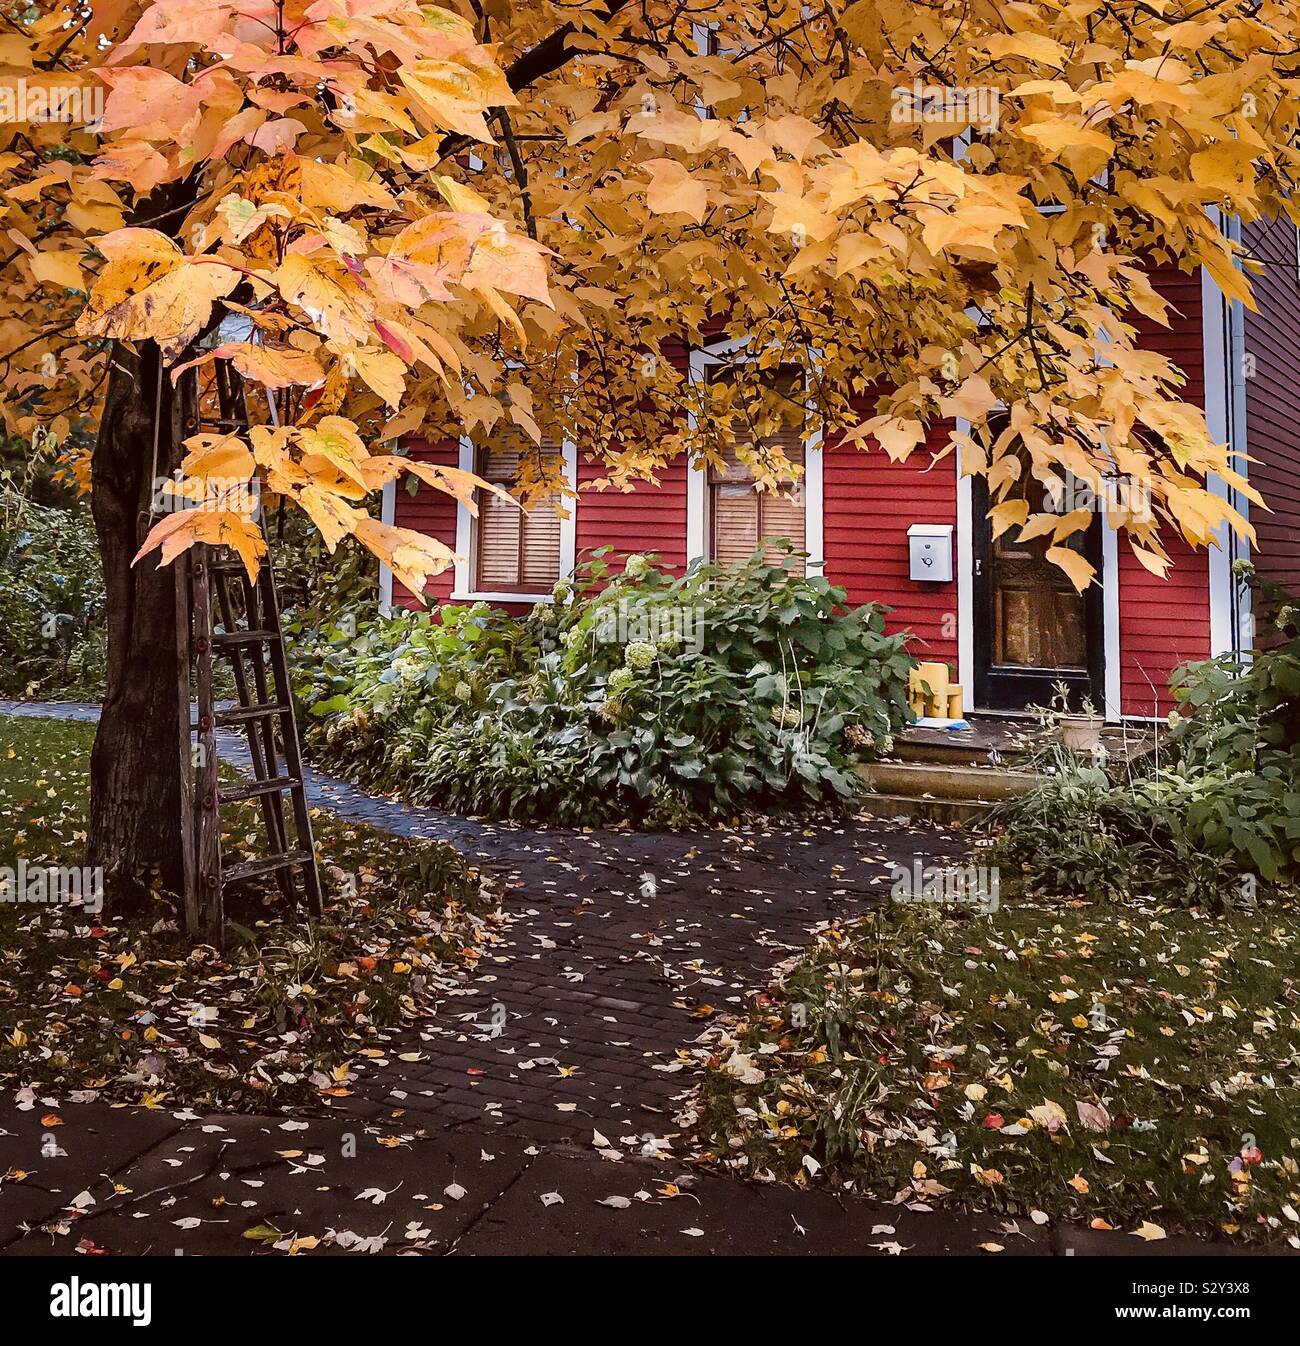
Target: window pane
540 567
498 542
784 518
742 514
735 522
516 552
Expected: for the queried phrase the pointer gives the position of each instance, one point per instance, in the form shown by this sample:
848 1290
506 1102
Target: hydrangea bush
636 695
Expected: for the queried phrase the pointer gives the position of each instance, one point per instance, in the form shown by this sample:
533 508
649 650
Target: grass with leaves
1127 1066
286 1017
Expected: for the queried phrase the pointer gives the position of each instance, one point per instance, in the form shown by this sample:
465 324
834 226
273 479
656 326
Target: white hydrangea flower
640 654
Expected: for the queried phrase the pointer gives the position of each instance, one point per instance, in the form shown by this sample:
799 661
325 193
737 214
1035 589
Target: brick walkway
617 945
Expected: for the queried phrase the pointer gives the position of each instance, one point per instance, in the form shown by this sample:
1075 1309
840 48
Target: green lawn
286 1017
1097 1062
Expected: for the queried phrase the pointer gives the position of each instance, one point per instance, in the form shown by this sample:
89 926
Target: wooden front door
1032 629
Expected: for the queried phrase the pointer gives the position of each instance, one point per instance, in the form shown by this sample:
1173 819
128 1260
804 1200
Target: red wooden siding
1163 623
432 513
649 518
869 504
1272 391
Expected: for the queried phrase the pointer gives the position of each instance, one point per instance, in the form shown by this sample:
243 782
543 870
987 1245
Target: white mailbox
929 547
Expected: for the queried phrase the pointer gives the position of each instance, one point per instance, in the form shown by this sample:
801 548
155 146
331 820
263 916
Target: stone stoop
948 778
941 792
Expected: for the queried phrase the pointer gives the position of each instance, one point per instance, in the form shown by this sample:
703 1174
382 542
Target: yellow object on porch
915 695
935 678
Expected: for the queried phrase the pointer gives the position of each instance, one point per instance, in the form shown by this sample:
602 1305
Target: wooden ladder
222 614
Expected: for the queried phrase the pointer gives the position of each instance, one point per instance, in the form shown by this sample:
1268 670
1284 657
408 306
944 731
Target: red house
1007 621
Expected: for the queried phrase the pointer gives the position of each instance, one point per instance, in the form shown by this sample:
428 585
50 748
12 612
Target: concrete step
944 749
988 741
944 812
951 781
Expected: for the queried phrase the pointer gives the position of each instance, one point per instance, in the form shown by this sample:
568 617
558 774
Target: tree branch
545 58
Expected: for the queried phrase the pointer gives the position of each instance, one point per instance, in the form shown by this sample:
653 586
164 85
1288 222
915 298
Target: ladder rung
250 869
243 637
258 787
243 714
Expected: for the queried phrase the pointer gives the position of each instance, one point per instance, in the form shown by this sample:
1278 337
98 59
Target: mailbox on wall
929 547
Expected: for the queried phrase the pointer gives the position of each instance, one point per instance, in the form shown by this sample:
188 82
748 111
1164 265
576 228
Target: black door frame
1006 687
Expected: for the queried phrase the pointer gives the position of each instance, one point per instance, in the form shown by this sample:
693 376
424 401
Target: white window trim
1223 332
387 513
463 590
697 481
965 577
1113 709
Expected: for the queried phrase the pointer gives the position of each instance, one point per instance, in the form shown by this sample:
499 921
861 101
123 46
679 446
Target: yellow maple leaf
272 367
411 556
673 191
1080 571
178 532
59 267
149 289
328 294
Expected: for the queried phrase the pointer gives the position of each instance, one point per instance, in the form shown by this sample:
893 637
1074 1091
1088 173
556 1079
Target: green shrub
313 582
1210 819
641 696
51 601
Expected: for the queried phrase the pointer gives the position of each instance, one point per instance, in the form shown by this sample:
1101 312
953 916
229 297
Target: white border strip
1214 343
387 513
1112 683
965 577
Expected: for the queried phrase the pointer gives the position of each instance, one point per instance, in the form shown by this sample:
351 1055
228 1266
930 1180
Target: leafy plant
51 601
1209 820
636 695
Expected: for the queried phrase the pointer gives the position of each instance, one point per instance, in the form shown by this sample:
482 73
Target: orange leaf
179 532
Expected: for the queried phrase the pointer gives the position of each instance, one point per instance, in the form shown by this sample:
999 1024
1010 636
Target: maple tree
397 217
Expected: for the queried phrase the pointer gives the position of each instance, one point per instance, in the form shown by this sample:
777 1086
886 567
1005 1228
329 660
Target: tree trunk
135 782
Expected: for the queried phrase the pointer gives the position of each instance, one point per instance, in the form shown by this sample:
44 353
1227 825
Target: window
515 552
741 514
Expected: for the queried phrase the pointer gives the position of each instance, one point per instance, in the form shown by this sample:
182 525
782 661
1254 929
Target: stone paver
136 1182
